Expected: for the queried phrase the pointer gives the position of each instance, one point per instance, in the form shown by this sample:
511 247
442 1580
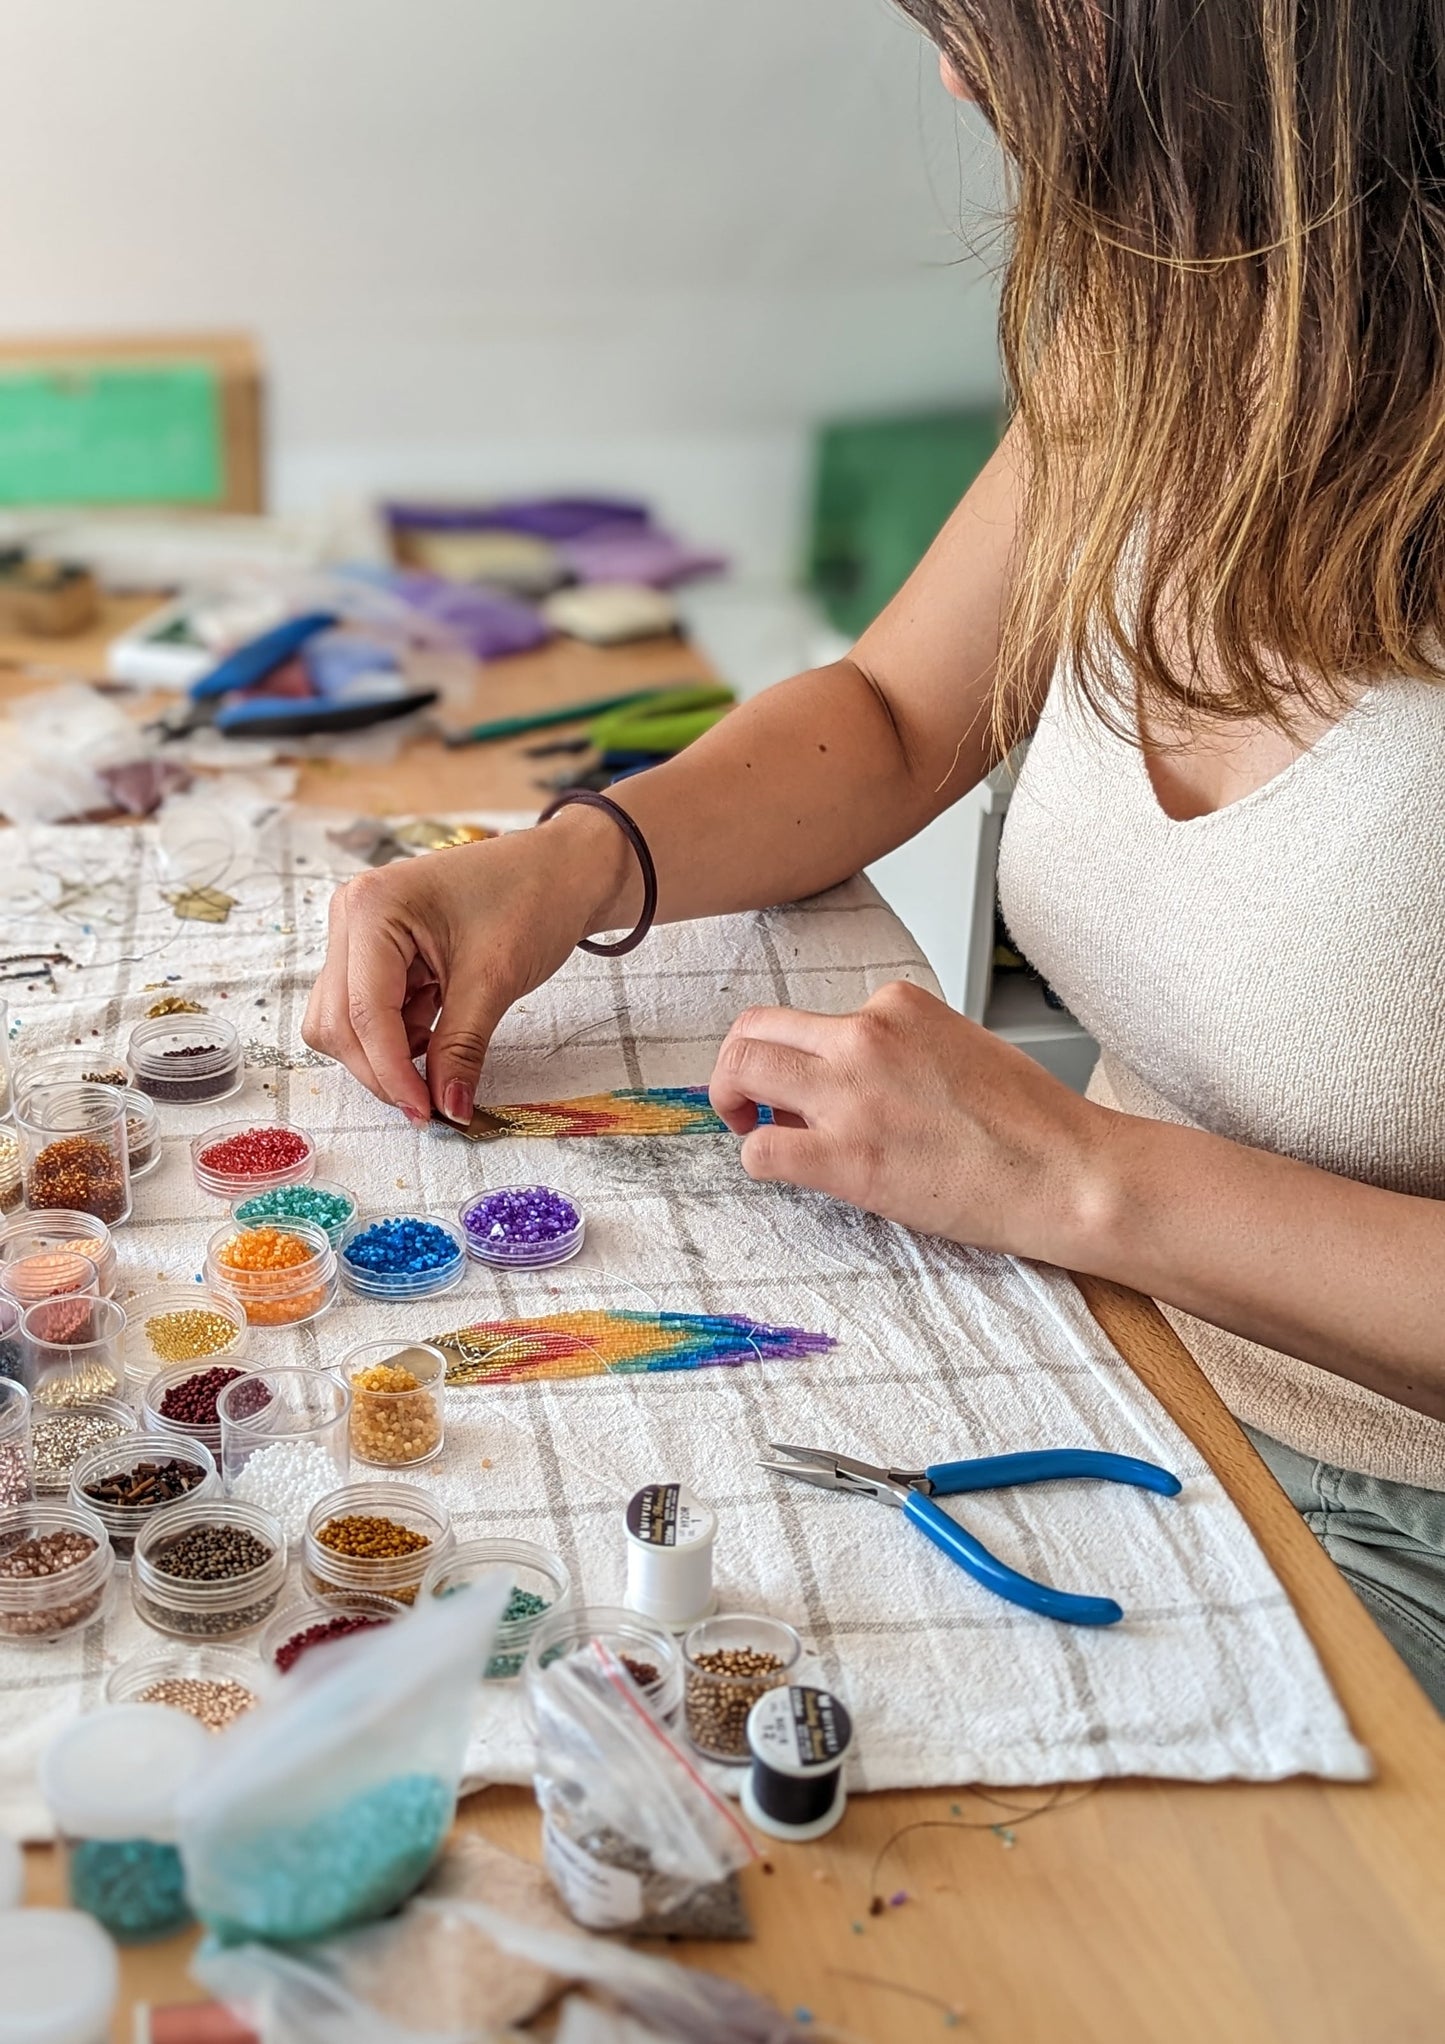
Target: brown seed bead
393 1419
211 1554
363 1536
79 1173
47 1554
717 1708
217 1703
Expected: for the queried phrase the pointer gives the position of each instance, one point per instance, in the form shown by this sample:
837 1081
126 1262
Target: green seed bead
329 1210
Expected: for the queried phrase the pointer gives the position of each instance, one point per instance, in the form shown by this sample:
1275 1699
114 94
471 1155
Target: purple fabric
488 625
541 517
630 553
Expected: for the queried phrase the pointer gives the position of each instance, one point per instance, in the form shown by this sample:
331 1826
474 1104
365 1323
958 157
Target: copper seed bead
80 1173
363 1536
217 1703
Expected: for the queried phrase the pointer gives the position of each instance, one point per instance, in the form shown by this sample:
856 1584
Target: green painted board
882 490
118 433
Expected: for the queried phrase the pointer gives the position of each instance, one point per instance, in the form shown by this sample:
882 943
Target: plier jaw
844 1472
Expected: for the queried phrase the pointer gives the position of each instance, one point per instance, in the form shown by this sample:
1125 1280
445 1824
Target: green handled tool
689 698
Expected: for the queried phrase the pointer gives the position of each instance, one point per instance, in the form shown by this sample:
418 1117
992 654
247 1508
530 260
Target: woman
1206 572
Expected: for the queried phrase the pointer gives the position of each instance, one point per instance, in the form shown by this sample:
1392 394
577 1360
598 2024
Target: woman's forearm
790 793
1341 1274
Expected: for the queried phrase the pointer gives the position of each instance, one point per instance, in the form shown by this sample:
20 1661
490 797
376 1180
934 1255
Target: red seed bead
193 1400
256 1152
300 1643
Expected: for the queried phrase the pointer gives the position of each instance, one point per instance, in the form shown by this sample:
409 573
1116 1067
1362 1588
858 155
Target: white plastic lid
117 1773
12 1873
61 1978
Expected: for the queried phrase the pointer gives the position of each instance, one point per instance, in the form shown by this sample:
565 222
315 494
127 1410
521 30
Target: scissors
915 1489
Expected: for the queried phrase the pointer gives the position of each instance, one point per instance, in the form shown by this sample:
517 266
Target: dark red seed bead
301 1643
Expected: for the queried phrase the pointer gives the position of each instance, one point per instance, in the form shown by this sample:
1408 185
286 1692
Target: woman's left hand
907 1109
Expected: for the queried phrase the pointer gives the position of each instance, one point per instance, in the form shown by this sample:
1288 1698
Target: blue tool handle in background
975 1559
1048 1465
259 657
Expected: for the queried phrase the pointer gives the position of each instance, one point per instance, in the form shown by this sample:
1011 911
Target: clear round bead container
60 1435
61 1228
12 1343
718 1702
142 1133
218 1609
74 1349
626 1636
536 1574
12 1190
136 1679
285 1442
254 1209
396 1428
231 1181
291 1624
79 1066
283 1295
74 1155
49 1274
442 1276
157 1394
505 1252
123 1458
17 1470
328 1574
160 1327
35 1609
186 1060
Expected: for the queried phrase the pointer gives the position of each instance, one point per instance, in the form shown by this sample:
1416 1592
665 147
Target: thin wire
1022 1814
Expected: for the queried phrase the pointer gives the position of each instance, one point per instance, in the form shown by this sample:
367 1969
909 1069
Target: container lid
668 1515
117 1773
61 1977
796 1731
12 1873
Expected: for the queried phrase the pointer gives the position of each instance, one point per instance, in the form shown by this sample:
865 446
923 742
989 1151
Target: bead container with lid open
61 1228
186 1060
380 1537
179 1324
74 1151
74 1349
522 1227
237 1158
209 1570
56 1566
283 1272
410 1256
128 1482
398 1392
285 1441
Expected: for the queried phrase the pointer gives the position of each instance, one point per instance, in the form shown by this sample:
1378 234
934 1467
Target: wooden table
1299 1913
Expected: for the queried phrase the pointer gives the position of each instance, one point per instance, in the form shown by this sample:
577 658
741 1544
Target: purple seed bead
522 1215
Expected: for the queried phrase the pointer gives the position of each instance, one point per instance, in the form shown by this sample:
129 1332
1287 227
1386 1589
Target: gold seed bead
188 1332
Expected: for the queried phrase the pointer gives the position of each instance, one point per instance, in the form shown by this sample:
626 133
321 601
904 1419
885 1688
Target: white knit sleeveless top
1273 972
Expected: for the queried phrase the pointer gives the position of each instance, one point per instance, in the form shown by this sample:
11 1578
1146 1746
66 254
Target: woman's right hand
428 954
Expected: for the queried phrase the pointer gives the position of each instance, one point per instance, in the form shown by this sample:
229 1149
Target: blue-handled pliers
915 1489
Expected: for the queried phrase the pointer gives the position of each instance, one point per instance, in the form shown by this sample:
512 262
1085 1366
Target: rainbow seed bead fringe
655 1111
603 1343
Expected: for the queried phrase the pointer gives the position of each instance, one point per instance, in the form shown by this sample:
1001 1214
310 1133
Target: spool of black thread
799 1739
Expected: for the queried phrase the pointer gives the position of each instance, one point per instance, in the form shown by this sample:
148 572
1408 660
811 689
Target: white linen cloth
942 1353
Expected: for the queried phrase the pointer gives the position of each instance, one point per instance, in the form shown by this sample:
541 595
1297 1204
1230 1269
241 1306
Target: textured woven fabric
941 1353
1273 972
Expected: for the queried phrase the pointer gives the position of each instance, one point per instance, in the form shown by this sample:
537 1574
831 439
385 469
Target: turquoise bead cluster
329 1210
288 1884
133 1886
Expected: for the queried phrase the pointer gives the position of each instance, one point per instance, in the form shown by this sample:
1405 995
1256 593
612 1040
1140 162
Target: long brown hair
1222 329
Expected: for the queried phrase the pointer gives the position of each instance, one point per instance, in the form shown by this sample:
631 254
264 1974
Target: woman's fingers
752 1072
378 959
473 1005
791 1156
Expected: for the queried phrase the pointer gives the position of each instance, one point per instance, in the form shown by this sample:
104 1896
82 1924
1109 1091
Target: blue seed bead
392 1248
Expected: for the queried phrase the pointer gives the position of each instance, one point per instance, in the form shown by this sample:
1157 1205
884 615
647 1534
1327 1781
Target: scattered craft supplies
631 1111
599 1343
379 843
202 905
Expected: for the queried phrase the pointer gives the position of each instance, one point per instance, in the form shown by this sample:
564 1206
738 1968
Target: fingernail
457 1103
415 1116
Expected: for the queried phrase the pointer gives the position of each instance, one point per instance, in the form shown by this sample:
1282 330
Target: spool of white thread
670 1537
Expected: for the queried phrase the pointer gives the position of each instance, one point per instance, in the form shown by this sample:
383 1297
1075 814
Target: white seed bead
287 1478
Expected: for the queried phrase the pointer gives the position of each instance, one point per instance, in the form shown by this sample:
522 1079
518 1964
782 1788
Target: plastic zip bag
328 1806
632 1835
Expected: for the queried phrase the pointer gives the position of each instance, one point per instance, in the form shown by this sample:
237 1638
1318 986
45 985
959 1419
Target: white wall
497 243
